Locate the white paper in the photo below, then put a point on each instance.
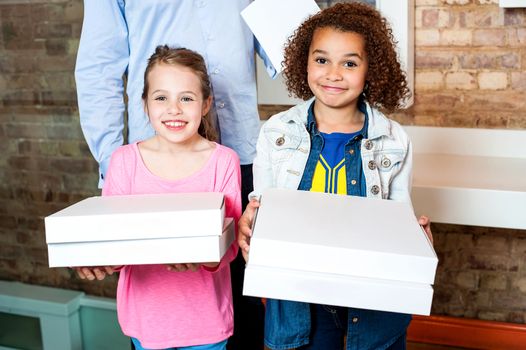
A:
(349, 235)
(273, 21)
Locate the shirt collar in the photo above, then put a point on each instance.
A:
(311, 120)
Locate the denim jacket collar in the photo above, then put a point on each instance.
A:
(377, 124)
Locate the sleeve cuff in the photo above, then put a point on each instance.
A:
(103, 170)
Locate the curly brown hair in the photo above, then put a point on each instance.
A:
(386, 84)
(185, 58)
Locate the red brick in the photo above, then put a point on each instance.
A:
(50, 64)
(496, 101)
(489, 37)
(456, 37)
(10, 251)
(492, 316)
(51, 12)
(64, 132)
(478, 60)
(58, 98)
(7, 222)
(518, 81)
(56, 47)
(17, 11)
(73, 12)
(510, 60)
(433, 59)
(511, 300)
(520, 37)
(430, 18)
(514, 17)
(493, 281)
(20, 98)
(517, 317)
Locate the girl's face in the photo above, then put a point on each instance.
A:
(337, 67)
(175, 103)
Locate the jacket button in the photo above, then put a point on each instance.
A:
(375, 189)
(372, 165)
(351, 152)
(280, 141)
(368, 144)
(354, 319)
(353, 182)
(386, 162)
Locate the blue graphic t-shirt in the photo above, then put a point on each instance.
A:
(330, 173)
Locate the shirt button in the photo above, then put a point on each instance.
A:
(280, 141)
(221, 104)
(216, 71)
(354, 319)
(372, 165)
(351, 152)
(368, 144)
(375, 189)
(353, 182)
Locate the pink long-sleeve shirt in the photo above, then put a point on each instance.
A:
(162, 308)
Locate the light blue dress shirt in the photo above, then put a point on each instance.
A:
(119, 36)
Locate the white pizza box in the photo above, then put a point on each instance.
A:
(112, 218)
(118, 229)
(343, 235)
(191, 249)
(339, 290)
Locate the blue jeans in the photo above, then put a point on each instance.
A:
(217, 346)
(329, 327)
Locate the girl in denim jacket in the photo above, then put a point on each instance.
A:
(342, 62)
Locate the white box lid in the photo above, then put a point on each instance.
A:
(286, 16)
(344, 235)
(138, 217)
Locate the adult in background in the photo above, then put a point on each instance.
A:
(117, 38)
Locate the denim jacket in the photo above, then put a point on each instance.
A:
(283, 150)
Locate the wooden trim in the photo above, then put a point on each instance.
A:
(467, 333)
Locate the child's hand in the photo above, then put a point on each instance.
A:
(245, 227)
(94, 272)
(426, 224)
(182, 267)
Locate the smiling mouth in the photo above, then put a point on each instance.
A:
(174, 123)
(333, 88)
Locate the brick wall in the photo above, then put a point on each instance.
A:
(470, 72)
(45, 163)
(470, 64)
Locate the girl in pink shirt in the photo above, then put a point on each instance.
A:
(177, 306)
